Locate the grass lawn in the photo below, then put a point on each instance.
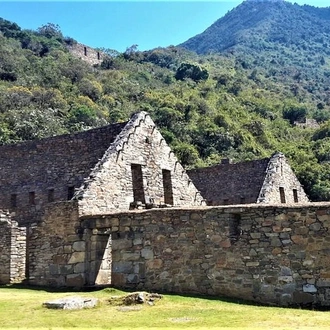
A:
(22, 308)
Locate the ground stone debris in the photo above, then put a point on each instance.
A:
(71, 303)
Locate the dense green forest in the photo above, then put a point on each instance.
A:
(240, 102)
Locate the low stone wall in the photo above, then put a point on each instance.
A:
(270, 254)
(12, 250)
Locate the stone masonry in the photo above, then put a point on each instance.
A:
(109, 186)
(269, 180)
(270, 254)
(275, 254)
(73, 216)
(12, 250)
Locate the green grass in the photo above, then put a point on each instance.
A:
(22, 308)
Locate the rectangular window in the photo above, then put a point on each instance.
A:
(295, 195)
(13, 200)
(50, 195)
(32, 197)
(70, 192)
(137, 183)
(167, 185)
(282, 195)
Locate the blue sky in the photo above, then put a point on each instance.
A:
(120, 24)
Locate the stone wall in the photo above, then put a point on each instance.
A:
(230, 184)
(134, 169)
(257, 181)
(36, 173)
(270, 254)
(281, 184)
(87, 54)
(12, 250)
(57, 248)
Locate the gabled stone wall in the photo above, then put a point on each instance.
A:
(12, 250)
(112, 184)
(281, 184)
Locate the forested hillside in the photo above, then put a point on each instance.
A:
(233, 104)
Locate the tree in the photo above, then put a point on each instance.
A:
(51, 30)
(294, 112)
(192, 71)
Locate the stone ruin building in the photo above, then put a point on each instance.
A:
(90, 55)
(109, 169)
(270, 180)
(113, 206)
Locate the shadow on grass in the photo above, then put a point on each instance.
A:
(24, 286)
(113, 289)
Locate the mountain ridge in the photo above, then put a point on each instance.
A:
(251, 16)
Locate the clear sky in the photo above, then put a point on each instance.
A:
(120, 24)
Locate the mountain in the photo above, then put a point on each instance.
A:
(286, 43)
(266, 24)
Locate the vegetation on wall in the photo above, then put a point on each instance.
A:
(240, 102)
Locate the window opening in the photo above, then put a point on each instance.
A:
(168, 188)
(32, 197)
(137, 182)
(50, 195)
(70, 192)
(282, 195)
(13, 200)
(85, 51)
(295, 195)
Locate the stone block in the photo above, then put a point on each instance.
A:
(299, 239)
(53, 269)
(130, 256)
(225, 244)
(79, 246)
(71, 303)
(79, 268)
(275, 242)
(315, 226)
(302, 298)
(286, 271)
(75, 280)
(121, 244)
(310, 288)
(323, 283)
(77, 257)
(154, 264)
(125, 267)
(65, 269)
(252, 264)
(147, 253)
